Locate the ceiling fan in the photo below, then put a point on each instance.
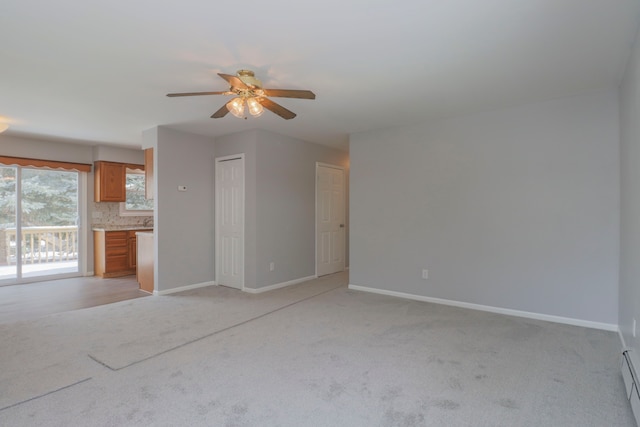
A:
(248, 90)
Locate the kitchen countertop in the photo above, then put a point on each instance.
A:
(120, 227)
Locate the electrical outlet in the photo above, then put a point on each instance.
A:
(272, 266)
(633, 330)
(425, 274)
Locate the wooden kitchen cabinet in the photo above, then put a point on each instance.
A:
(109, 179)
(133, 247)
(114, 252)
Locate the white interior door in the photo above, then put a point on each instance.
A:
(230, 221)
(330, 219)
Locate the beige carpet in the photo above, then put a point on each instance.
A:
(333, 357)
(48, 354)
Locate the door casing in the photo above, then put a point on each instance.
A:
(83, 231)
(219, 226)
(341, 264)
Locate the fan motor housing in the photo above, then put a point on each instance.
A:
(249, 78)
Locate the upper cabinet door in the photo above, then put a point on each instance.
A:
(148, 173)
(109, 180)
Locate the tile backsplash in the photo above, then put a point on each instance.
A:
(110, 215)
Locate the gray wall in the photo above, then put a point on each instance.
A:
(183, 220)
(515, 209)
(280, 203)
(630, 206)
(285, 203)
(66, 152)
(47, 150)
(118, 154)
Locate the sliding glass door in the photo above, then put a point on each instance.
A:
(8, 223)
(39, 223)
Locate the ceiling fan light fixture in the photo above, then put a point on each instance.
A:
(255, 108)
(248, 90)
(236, 107)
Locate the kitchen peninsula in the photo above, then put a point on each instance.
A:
(144, 271)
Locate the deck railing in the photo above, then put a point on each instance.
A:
(39, 244)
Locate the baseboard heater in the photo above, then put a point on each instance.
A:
(631, 383)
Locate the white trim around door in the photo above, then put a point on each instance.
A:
(330, 219)
(230, 221)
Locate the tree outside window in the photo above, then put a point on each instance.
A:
(136, 203)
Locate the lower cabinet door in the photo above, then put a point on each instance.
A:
(117, 262)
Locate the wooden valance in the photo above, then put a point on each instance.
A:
(38, 163)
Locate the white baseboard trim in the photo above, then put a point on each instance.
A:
(89, 273)
(279, 285)
(498, 310)
(184, 288)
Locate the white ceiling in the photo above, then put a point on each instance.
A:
(98, 71)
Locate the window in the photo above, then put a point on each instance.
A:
(136, 204)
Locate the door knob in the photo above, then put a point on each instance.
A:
(341, 225)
